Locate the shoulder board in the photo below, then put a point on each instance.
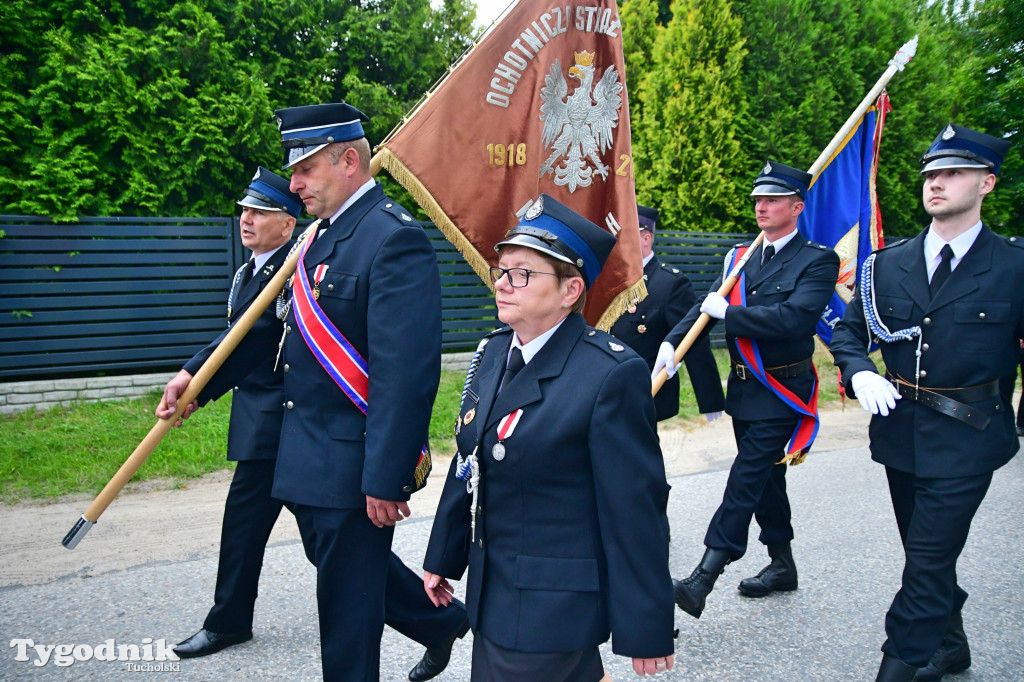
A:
(816, 245)
(399, 212)
(496, 332)
(671, 268)
(1015, 241)
(608, 343)
(892, 245)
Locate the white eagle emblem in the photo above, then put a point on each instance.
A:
(579, 127)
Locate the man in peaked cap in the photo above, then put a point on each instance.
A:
(269, 210)
(669, 297)
(947, 309)
(769, 328)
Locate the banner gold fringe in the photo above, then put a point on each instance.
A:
(621, 303)
(422, 196)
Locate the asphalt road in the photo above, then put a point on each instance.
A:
(847, 551)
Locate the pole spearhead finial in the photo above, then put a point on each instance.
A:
(904, 54)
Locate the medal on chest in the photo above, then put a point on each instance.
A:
(318, 276)
(506, 427)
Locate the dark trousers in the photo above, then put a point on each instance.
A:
(492, 663)
(934, 517)
(1020, 403)
(361, 585)
(249, 516)
(756, 487)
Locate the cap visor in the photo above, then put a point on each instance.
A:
(949, 162)
(535, 244)
(253, 202)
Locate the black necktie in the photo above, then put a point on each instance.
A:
(769, 251)
(250, 266)
(941, 273)
(515, 363)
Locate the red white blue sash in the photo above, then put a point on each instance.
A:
(807, 427)
(336, 355)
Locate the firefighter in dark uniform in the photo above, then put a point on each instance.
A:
(947, 310)
(769, 323)
(361, 356)
(269, 210)
(564, 533)
(669, 297)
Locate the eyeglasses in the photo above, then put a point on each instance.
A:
(517, 277)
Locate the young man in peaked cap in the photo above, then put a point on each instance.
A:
(669, 297)
(947, 310)
(769, 322)
(361, 356)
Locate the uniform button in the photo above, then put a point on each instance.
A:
(407, 489)
(924, 346)
(778, 288)
(236, 388)
(288, 329)
(981, 315)
(923, 374)
(330, 287)
(927, 320)
(754, 292)
(289, 404)
(287, 368)
(480, 542)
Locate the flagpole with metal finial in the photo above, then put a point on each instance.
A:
(897, 63)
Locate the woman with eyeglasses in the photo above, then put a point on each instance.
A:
(556, 499)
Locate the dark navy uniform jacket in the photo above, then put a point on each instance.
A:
(331, 455)
(784, 301)
(970, 336)
(256, 405)
(669, 297)
(572, 540)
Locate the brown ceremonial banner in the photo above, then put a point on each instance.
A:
(538, 105)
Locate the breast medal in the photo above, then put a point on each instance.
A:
(506, 426)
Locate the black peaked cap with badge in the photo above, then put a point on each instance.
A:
(557, 231)
(959, 147)
(308, 129)
(268, 191)
(648, 218)
(778, 179)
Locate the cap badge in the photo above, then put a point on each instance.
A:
(616, 347)
(535, 209)
(767, 168)
(948, 133)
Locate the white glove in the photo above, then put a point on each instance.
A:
(714, 305)
(712, 416)
(667, 359)
(876, 395)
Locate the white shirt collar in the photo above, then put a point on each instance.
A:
(353, 199)
(961, 244)
(533, 347)
(780, 242)
(648, 258)
(262, 259)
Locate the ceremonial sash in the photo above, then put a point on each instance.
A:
(807, 427)
(336, 355)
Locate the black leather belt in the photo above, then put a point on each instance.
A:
(939, 400)
(743, 372)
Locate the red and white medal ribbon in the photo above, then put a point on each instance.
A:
(318, 276)
(508, 424)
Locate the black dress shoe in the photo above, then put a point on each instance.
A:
(952, 656)
(435, 659)
(204, 642)
(778, 576)
(895, 670)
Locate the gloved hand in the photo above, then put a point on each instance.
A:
(714, 305)
(667, 359)
(876, 395)
(712, 416)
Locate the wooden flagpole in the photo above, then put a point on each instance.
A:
(897, 63)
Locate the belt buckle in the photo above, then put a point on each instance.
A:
(741, 371)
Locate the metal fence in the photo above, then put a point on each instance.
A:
(128, 295)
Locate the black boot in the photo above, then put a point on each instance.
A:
(895, 670)
(953, 654)
(435, 659)
(778, 576)
(691, 593)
